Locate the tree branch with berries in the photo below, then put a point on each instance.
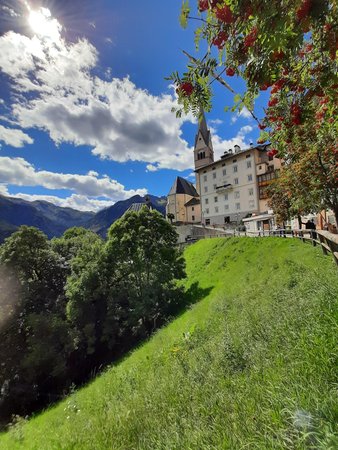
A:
(289, 49)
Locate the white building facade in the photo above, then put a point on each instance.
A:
(233, 187)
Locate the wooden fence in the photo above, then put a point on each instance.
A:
(327, 240)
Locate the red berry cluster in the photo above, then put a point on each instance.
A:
(250, 39)
(296, 114)
(230, 72)
(186, 88)
(273, 101)
(278, 85)
(261, 126)
(248, 11)
(271, 153)
(304, 9)
(278, 55)
(203, 5)
(265, 86)
(224, 14)
(220, 39)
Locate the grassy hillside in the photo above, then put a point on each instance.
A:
(252, 365)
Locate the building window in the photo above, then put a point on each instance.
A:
(248, 164)
(236, 181)
(206, 201)
(263, 194)
(205, 188)
(192, 209)
(216, 209)
(200, 155)
(215, 199)
(223, 164)
(213, 168)
(251, 203)
(234, 160)
(207, 221)
(236, 194)
(225, 196)
(248, 156)
(235, 169)
(205, 178)
(251, 191)
(238, 206)
(204, 171)
(224, 172)
(250, 177)
(214, 175)
(259, 167)
(207, 211)
(193, 218)
(215, 186)
(226, 207)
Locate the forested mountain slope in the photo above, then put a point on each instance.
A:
(54, 220)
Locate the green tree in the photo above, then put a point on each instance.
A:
(285, 47)
(171, 217)
(34, 336)
(130, 287)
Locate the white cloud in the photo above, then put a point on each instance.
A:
(151, 168)
(19, 172)
(14, 137)
(79, 202)
(3, 189)
(221, 145)
(215, 122)
(244, 113)
(9, 11)
(59, 94)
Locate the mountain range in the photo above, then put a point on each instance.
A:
(54, 220)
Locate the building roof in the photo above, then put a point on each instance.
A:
(192, 202)
(137, 207)
(203, 129)
(182, 186)
(257, 218)
(234, 155)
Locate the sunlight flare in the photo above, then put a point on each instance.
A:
(44, 25)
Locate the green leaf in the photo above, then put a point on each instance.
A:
(237, 98)
(185, 10)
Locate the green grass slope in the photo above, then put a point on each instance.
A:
(252, 365)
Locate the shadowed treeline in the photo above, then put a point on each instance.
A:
(73, 304)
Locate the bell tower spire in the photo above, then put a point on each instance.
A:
(203, 151)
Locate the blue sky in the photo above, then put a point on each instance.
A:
(85, 110)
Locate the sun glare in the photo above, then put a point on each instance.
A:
(43, 25)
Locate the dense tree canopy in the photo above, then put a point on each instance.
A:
(69, 305)
(288, 48)
(34, 337)
(129, 285)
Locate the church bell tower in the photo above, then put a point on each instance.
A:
(203, 151)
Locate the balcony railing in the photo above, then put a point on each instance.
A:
(224, 187)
